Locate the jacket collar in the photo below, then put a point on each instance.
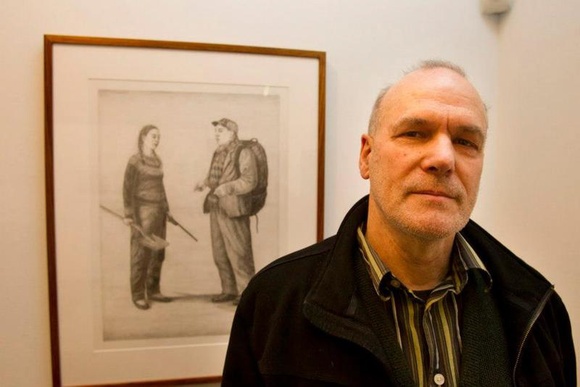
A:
(335, 286)
(510, 275)
(335, 306)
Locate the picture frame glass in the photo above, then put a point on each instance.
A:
(101, 94)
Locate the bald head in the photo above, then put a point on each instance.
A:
(428, 74)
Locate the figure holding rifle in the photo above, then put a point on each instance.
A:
(146, 206)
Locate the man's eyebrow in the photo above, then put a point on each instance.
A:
(473, 129)
(411, 122)
(418, 122)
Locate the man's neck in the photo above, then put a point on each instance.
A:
(419, 264)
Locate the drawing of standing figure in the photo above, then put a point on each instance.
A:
(232, 176)
(146, 207)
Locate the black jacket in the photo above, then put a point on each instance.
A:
(312, 319)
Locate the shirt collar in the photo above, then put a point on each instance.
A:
(463, 260)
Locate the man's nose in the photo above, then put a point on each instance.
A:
(439, 157)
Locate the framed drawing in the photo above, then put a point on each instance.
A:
(160, 156)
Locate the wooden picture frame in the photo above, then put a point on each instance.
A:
(99, 93)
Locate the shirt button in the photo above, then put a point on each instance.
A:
(439, 379)
(395, 283)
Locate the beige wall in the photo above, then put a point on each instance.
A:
(536, 205)
(529, 202)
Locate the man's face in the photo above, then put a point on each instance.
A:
(223, 135)
(424, 160)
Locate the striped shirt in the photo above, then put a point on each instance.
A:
(427, 323)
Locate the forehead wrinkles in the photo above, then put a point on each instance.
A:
(413, 97)
(427, 112)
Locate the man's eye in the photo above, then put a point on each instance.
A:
(413, 134)
(467, 143)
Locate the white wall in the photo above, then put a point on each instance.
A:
(536, 206)
(368, 43)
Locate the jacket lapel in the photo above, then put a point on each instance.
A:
(343, 303)
(519, 299)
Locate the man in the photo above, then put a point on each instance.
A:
(232, 174)
(409, 292)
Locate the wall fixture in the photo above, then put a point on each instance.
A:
(495, 6)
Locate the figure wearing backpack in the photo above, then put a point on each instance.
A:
(237, 181)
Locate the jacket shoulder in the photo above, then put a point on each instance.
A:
(315, 249)
(303, 260)
(289, 277)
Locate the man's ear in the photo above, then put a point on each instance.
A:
(366, 142)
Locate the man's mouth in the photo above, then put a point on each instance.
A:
(435, 193)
